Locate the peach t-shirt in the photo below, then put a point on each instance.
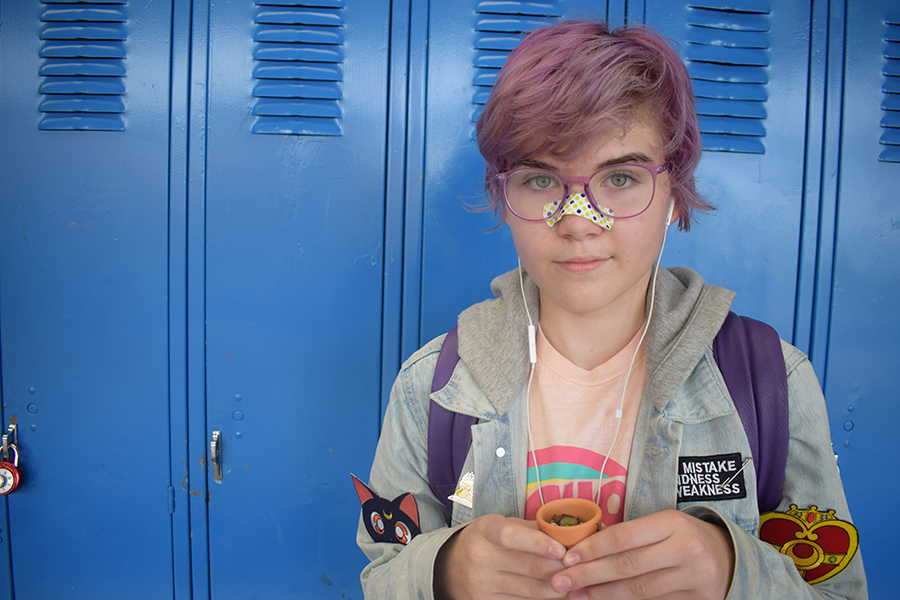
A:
(573, 425)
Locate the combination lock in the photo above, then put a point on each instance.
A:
(9, 472)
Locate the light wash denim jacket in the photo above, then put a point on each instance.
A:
(685, 411)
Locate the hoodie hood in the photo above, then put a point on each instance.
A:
(493, 335)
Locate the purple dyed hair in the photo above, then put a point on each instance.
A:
(570, 82)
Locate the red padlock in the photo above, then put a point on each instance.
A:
(9, 472)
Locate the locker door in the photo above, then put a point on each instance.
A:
(83, 292)
(748, 61)
(863, 356)
(294, 226)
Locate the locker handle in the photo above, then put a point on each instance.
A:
(215, 453)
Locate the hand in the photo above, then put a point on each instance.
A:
(664, 555)
(498, 557)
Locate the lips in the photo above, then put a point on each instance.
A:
(582, 264)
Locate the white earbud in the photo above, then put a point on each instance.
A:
(671, 210)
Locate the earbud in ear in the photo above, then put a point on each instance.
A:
(671, 210)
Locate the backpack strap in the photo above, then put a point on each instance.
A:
(449, 433)
(750, 358)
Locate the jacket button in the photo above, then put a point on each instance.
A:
(501, 452)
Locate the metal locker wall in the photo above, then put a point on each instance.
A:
(862, 350)
(84, 108)
(129, 320)
(293, 251)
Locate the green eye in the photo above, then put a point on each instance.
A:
(618, 180)
(543, 182)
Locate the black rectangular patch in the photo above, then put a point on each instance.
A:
(705, 477)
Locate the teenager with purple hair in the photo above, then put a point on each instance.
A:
(591, 372)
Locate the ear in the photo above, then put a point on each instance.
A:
(362, 490)
(409, 506)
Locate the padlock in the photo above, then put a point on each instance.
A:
(9, 472)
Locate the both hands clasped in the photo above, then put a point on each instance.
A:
(665, 555)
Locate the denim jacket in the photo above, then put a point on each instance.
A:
(685, 411)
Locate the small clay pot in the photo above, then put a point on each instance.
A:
(585, 510)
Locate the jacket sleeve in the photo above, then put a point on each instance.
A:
(811, 480)
(396, 571)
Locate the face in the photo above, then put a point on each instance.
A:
(581, 268)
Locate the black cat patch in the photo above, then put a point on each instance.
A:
(395, 521)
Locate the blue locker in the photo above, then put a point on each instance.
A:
(239, 217)
(83, 294)
(863, 327)
(293, 230)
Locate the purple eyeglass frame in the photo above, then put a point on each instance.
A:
(654, 170)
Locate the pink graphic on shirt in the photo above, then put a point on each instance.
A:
(568, 472)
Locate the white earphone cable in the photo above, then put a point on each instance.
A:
(532, 356)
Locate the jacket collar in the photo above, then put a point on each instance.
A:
(493, 336)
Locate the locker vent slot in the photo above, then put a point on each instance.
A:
(298, 60)
(728, 59)
(499, 27)
(82, 65)
(890, 105)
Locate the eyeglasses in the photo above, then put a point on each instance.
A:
(618, 191)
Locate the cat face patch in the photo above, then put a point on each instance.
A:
(820, 544)
(395, 521)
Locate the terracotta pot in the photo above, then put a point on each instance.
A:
(585, 510)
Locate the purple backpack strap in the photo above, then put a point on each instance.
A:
(749, 356)
(449, 433)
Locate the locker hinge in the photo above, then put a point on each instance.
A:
(170, 491)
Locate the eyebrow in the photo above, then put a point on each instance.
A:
(634, 157)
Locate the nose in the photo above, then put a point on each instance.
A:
(577, 226)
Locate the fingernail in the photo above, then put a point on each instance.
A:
(561, 584)
(571, 559)
(579, 595)
(557, 551)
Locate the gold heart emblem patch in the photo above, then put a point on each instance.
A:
(820, 544)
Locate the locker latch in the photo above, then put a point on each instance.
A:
(215, 455)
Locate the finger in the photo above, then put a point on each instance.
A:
(506, 585)
(660, 585)
(504, 545)
(640, 567)
(490, 570)
(523, 536)
(624, 536)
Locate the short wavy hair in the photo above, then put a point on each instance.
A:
(570, 82)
